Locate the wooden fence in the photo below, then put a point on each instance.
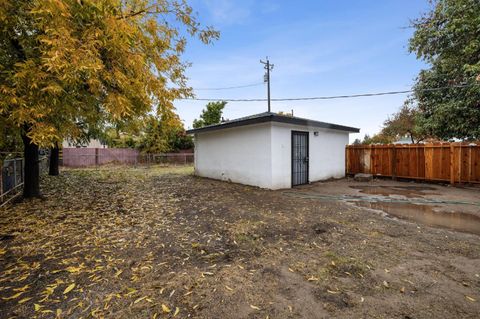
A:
(449, 162)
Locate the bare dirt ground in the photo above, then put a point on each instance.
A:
(161, 243)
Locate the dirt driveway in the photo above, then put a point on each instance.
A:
(161, 243)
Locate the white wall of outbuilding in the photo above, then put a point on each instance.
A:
(260, 154)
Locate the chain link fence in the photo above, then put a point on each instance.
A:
(12, 170)
(12, 176)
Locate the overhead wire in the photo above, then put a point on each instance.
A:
(228, 87)
(330, 97)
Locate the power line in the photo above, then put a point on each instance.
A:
(228, 87)
(331, 97)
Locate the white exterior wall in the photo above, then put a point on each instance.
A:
(326, 153)
(260, 155)
(240, 154)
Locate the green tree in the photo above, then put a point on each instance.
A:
(212, 114)
(403, 123)
(71, 61)
(379, 138)
(10, 140)
(447, 38)
(164, 134)
(357, 142)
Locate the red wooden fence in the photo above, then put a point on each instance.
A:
(450, 162)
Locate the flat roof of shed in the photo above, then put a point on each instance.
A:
(272, 117)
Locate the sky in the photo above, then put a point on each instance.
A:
(318, 48)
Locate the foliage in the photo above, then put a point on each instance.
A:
(447, 38)
(79, 61)
(403, 124)
(212, 114)
(379, 138)
(286, 113)
(357, 141)
(10, 140)
(399, 125)
(164, 134)
(125, 134)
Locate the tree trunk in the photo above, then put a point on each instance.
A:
(31, 183)
(411, 137)
(53, 165)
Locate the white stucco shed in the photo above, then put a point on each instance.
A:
(271, 151)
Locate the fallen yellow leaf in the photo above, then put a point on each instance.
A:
(139, 299)
(165, 309)
(177, 310)
(69, 288)
(24, 288)
(470, 298)
(73, 270)
(14, 296)
(24, 300)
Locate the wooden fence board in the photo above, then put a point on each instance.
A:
(450, 162)
(476, 165)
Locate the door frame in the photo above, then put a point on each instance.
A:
(307, 134)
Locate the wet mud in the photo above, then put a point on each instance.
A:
(428, 215)
(407, 191)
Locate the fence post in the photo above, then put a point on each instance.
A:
(469, 163)
(14, 173)
(22, 169)
(452, 165)
(394, 162)
(371, 158)
(460, 163)
(96, 157)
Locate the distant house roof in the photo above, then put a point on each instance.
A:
(272, 117)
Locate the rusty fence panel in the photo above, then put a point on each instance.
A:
(12, 176)
(94, 157)
(449, 162)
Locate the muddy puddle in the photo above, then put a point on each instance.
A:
(426, 214)
(407, 191)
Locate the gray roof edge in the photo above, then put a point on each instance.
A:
(272, 117)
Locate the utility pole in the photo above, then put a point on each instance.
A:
(266, 78)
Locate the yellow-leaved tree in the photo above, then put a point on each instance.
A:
(71, 65)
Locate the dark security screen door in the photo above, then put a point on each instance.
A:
(299, 158)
